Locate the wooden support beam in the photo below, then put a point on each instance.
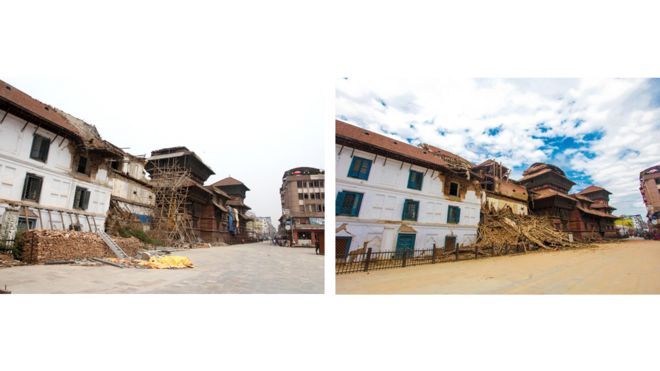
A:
(89, 225)
(61, 141)
(50, 219)
(352, 152)
(62, 218)
(384, 162)
(96, 229)
(401, 165)
(54, 138)
(3, 117)
(27, 219)
(340, 149)
(24, 126)
(41, 223)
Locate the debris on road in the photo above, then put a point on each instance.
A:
(502, 230)
(155, 262)
(7, 260)
(51, 245)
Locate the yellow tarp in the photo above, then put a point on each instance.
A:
(169, 261)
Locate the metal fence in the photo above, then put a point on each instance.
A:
(365, 260)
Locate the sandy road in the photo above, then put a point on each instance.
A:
(628, 267)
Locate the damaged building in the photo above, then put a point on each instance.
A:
(54, 169)
(499, 191)
(393, 196)
(177, 177)
(238, 218)
(549, 189)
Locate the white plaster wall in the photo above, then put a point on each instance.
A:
(58, 188)
(132, 191)
(382, 205)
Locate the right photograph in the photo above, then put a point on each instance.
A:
(497, 186)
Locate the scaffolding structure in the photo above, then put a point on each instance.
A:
(172, 222)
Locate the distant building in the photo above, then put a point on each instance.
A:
(499, 191)
(302, 195)
(53, 168)
(649, 186)
(264, 227)
(573, 213)
(393, 196)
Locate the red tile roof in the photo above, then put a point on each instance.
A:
(229, 181)
(597, 213)
(353, 133)
(39, 109)
(592, 189)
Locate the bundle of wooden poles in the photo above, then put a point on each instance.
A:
(502, 230)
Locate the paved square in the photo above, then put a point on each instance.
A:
(258, 268)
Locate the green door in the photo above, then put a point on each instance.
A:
(405, 242)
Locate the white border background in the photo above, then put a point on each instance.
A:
(343, 38)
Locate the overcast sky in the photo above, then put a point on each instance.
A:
(150, 77)
(601, 132)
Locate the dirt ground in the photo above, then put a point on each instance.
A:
(258, 268)
(627, 267)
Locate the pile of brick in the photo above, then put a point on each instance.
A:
(51, 245)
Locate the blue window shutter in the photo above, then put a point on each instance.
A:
(352, 171)
(416, 210)
(458, 215)
(356, 205)
(340, 202)
(450, 214)
(405, 207)
(366, 174)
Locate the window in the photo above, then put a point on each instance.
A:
(318, 195)
(32, 187)
(321, 183)
(359, 168)
(306, 196)
(415, 180)
(22, 225)
(299, 184)
(657, 180)
(453, 189)
(348, 203)
(40, 147)
(300, 196)
(82, 165)
(302, 208)
(81, 199)
(410, 210)
(453, 215)
(311, 195)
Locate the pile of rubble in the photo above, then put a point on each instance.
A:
(503, 230)
(52, 245)
(7, 260)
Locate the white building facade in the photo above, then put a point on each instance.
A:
(393, 204)
(47, 179)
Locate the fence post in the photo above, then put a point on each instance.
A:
(492, 250)
(366, 262)
(456, 247)
(434, 253)
(476, 253)
(405, 256)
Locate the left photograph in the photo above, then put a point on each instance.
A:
(165, 194)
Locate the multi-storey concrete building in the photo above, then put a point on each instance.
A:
(393, 196)
(53, 168)
(303, 205)
(649, 186)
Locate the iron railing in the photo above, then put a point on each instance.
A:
(365, 260)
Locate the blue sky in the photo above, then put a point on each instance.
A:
(599, 131)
